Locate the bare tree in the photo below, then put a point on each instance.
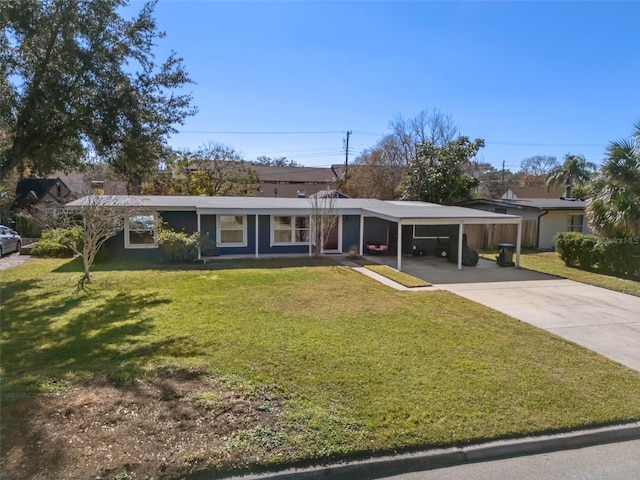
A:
(323, 218)
(380, 169)
(98, 217)
(435, 127)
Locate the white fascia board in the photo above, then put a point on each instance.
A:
(458, 221)
(253, 211)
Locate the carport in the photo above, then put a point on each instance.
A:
(420, 213)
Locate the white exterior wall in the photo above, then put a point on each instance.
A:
(557, 221)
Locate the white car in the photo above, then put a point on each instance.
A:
(10, 241)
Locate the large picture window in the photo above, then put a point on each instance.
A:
(290, 229)
(141, 231)
(232, 230)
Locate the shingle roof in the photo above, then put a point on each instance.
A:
(534, 203)
(538, 192)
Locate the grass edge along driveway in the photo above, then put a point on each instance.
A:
(550, 263)
(355, 367)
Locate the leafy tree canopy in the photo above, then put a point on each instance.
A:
(275, 162)
(437, 174)
(214, 170)
(78, 81)
(574, 170)
(614, 204)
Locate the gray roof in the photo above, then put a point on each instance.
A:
(534, 203)
(412, 212)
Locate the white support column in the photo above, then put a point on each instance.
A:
(518, 242)
(199, 251)
(257, 236)
(360, 247)
(312, 234)
(460, 234)
(399, 266)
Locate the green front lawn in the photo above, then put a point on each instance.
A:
(549, 262)
(357, 366)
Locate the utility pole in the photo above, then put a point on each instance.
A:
(502, 176)
(346, 156)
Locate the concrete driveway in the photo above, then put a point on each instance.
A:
(601, 320)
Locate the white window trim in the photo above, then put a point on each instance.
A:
(571, 227)
(129, 245)
(219, 230)
(292, 231)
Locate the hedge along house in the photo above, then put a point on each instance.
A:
(255, 226)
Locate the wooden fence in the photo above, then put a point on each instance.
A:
(487, 237)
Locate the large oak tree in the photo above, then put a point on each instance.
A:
(78, 81)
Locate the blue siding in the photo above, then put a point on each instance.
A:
(114, 248)
(208, 226)
(376, 230)
(264, 222)
(186, 222)
(251, 240)
(350, 231)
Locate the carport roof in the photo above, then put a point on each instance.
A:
(397, 211)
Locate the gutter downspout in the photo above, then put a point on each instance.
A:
(538, 228)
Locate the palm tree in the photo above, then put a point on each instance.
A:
(614, 207)
(574, 169)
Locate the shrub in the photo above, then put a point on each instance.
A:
(622, 258)
(577, 248)
(587, 251)
(55, 242)
(567, 244)
(179, 246)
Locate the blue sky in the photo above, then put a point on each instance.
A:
(531, 78)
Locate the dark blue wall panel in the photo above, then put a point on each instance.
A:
(350, 231)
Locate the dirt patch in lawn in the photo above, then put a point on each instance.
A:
(169, 426)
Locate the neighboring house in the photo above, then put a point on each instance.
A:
(60, 188)
(547, 216)
(513, 193)
(293, 182)
(84, 183)
(264, 226)
(48, 194)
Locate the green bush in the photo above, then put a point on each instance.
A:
(55, 242)
(179, 246)
(619, 257)
(567, 244)
(587, 251)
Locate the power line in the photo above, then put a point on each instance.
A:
(317, 132)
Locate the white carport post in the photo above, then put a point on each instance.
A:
(460, 233)
(257, 235)
(399, 248)
(360, 247)
(312, 233)
(199, 251)
(518, 242)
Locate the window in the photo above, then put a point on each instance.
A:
(141, 231)
(290, 229)
(576, 223)
(500, 210)
(232, 230)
